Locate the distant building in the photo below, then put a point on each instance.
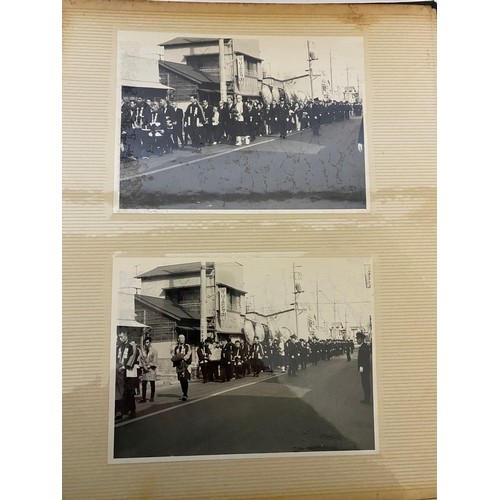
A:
(351, 94)
(140, 76)
(338, 331)
(191, 65)
(197, 299)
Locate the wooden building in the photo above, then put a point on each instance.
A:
(187, 59)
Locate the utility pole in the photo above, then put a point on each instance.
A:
(203, 302)
(296, 291)
(310, 58)
(233, 64)
(222, 70)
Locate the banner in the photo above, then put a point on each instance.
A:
(240, 69)
(368, 276)
(222, 302)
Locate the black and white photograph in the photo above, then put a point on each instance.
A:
(241, 357)
(235, 124)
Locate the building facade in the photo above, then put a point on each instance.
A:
(193, 65)
(198, 299)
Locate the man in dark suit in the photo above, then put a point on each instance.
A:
(193, 121)
(283, 115)
(316, 113)
(127, 356)
(365, 366)
(177, 135)
(207, 129)
(203, 352)
(226, 360)
(292, 353)
(256, 356)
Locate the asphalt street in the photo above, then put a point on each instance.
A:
(299, 172)
(318, 410)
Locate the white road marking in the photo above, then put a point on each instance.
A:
(187, 403)
(237, 148)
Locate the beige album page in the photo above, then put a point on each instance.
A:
(249, 251)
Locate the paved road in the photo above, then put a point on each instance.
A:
(319, 410)
(302, 171)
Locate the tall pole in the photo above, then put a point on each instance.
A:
(309, 60)
(222, 70)
(295, 302)
(233, 64)
(203, 302)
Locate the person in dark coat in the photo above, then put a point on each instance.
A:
(203, 352)
(181, 359)
(256, 356)
(193, 121)
(252, 120)
(238, 359)
(283, 117)
(365, 366)
(177, 134)
(207, 129)
(292, 353)
(127, 357)
(226, 361)
(316, 116)
(222, 132)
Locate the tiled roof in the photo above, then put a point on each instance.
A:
(189, 72)
(187, 41)
(166, 306)
(189, 268)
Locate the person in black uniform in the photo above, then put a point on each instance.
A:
(226, 361)
(127, 356)
(252, 120)
(177, 134)
(365, 366)
(316, 117)
(256, 356)
(239, 368)
(207, 129)
(203, 352)
(193, 121)
(292, 353)
(283, 116)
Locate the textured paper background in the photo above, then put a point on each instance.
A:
(399, 232)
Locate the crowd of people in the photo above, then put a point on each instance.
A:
(224, 361)
(159, 126)
(227, 360)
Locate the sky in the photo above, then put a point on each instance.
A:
(269, 284)
(283, 56)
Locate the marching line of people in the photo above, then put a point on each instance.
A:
(225, 361)
(158, 127)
